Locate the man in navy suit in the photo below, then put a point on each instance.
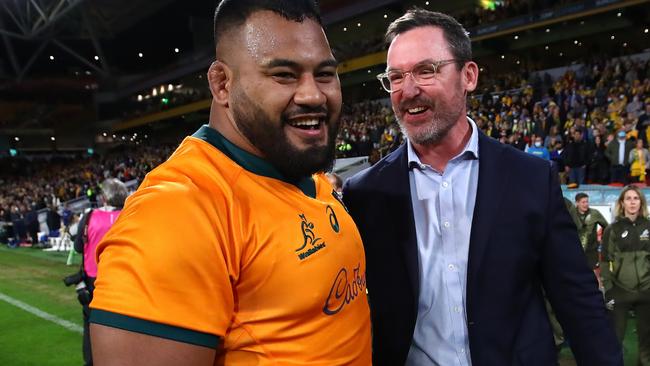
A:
(463, 235)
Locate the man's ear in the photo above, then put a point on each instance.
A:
(470, 76)
(219, 80)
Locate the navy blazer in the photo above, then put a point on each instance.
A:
(522, 241)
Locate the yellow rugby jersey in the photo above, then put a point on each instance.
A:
(215, 249)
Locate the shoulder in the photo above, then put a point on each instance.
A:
(377, 172)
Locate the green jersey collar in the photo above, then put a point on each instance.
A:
(250, 162)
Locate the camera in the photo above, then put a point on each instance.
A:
(73, 279)
(83, 294)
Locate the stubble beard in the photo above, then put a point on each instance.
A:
(443, 120)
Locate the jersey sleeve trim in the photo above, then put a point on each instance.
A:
(151, 328)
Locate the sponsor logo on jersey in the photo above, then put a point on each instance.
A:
(334, 222)
(311, 244)
(624, 235)
(345, 289)
(645, 235)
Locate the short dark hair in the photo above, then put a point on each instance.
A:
(233, 13)
(455, 34)
(581, 195)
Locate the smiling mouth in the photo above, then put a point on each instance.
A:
(417, 110)
(311, 123)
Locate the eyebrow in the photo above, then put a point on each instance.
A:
(423, 62)
(280, 62)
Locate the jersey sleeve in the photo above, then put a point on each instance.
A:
(167, 266)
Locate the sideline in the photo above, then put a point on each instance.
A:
(41, 314)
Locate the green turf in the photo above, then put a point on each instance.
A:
(34, 277)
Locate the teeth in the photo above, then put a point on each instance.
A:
(416, 110)
(306, 123)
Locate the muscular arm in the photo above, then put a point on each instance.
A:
(113, 347)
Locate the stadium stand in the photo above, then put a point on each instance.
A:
(97, 99)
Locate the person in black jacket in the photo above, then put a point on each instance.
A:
(625, 269)
(577, 154)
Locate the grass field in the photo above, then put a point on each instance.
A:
(34, 277)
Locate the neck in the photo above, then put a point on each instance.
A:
(583, 212)
(437, 155)
(632, 216)
(223, 122)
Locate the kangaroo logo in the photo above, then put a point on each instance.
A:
(309, 238)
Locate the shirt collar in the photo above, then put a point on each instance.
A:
(469, 152)
(250, 162)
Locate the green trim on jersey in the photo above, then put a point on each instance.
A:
(154, 329)
(250, 162)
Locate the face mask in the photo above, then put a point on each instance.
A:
(538, 144)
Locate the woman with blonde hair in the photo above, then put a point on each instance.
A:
(625, 267)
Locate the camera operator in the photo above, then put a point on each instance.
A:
(94, 224)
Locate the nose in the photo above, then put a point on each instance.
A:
(409, 87)
(308, 92)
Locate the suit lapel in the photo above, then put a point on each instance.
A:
(400, 208)
(491, 185)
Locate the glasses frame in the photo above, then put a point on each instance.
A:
(436, 65)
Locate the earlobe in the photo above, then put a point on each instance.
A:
(219, 82)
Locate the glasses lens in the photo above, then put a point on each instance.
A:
(385, 83)
(424, 73)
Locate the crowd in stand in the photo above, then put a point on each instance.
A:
(592, 122)
(28, 187)
(581, 119)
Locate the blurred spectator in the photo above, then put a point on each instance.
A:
(618, 151)
(576, 157)
(598, 163)
(639, 160)
(538, 149)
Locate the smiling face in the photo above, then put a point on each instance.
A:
(285, 98)
(583, 205)
(427, 113)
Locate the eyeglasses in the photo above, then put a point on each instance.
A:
(422, 74)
